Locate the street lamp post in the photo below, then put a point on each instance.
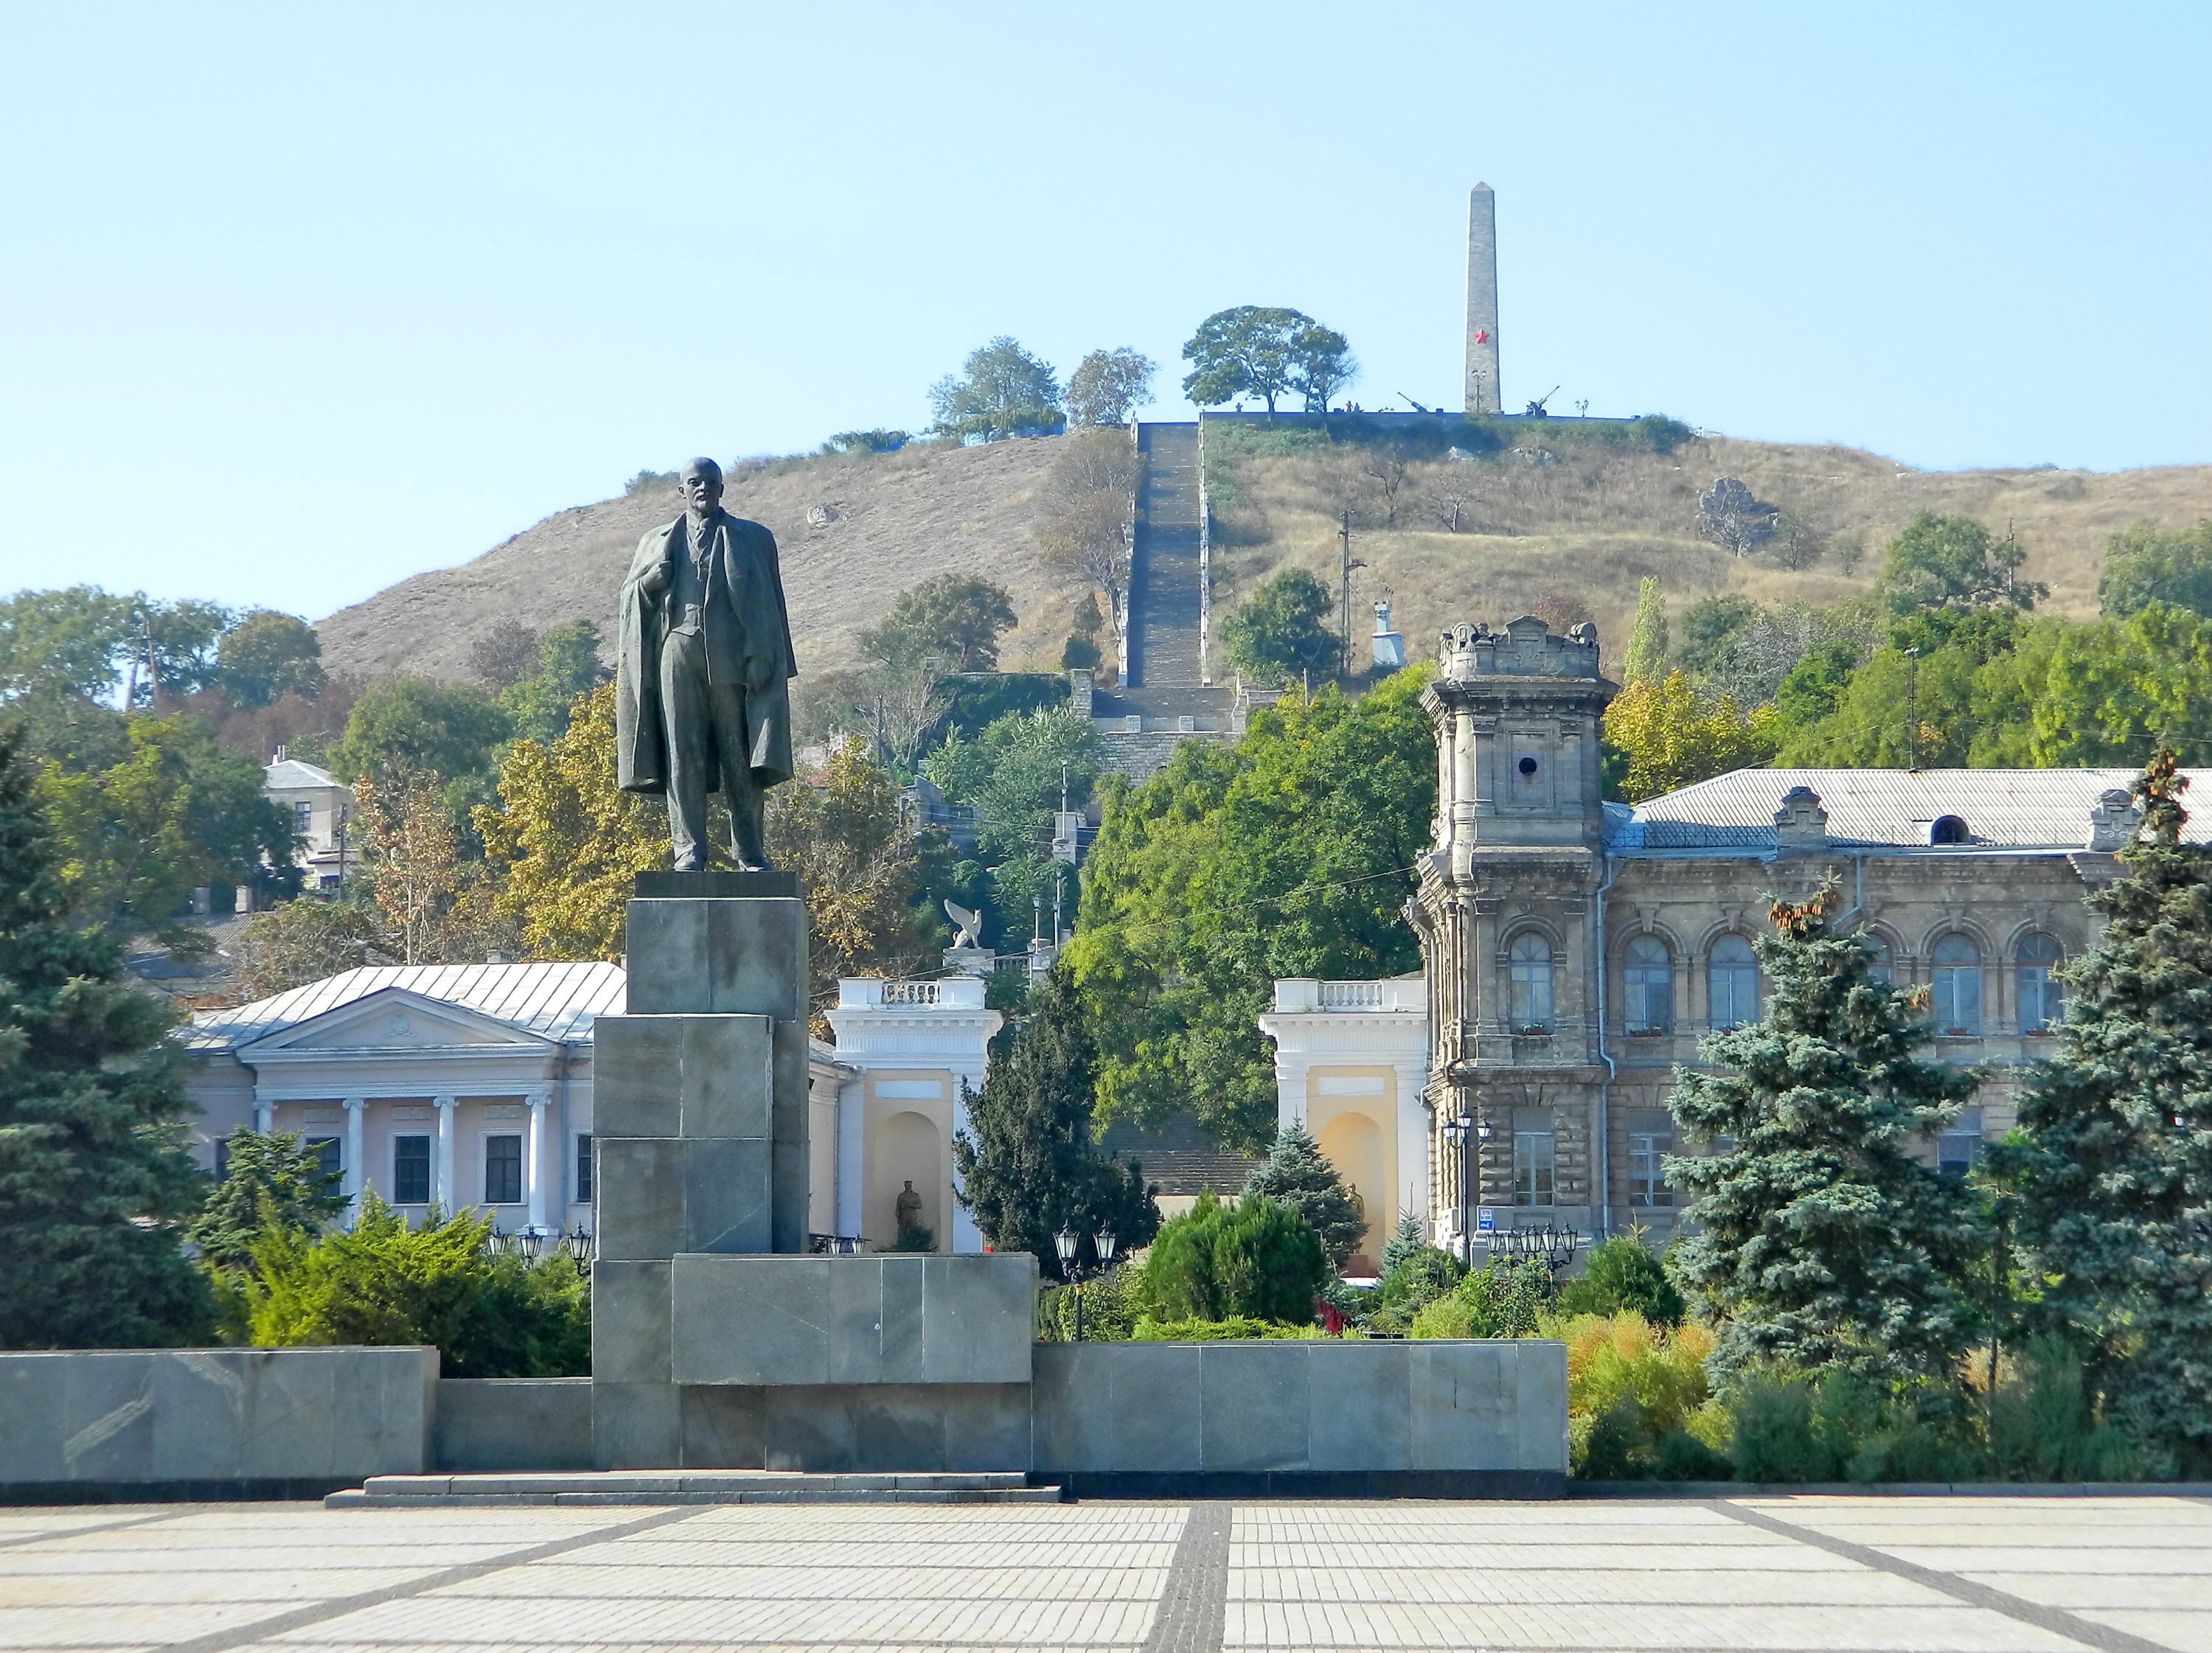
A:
(1067, 1242)
(1460, 1133)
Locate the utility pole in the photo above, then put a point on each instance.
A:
(1912, 709)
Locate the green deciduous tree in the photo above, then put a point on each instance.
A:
(450, 729)
(1028, 1165)
(2143, 566)
(1107, 386)
(2114, 1159)
(267, 654)
(955, 617)
(1942, 561)
(1321, 364)
(1259, 1261)
(1001, 391)
(567, 663)
(1291, 855)
(174, 811)
(1647, 638)
(69, 639)
(296, 942)
(1281, 630)
(1296, 1173)
(269, 1181)
(1672, 736)
(95, 1186)
(1819, 1236)
(1265, 352)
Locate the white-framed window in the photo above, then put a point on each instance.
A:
(410, 1169)
(303, 817)
(1732, 983)
(1960, 1146)
(1955, 988)
(1535, 1157)
(1529, 980)
(1647, 987)
(502, 1169)
(329, 1152)
(2042, 994)
(1651, 1139)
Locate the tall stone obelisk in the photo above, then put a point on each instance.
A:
(1482, 301)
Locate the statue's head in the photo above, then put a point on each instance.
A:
(701, 483)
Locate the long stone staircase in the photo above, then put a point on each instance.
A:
(1166, 686)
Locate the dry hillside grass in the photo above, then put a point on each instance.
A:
(900, 517)
(1573, 539)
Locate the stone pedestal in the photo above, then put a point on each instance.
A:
(699, 1143)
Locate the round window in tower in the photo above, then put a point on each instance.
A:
(1528, 766)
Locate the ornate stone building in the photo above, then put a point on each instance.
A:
(1575, 950)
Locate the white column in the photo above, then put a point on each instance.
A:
(265, 1115)
(533, 1161)
(355, 1182)
(851, 1109)
(442, 1185)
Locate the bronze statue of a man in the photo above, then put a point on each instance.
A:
(702, 667)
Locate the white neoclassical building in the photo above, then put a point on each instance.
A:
(469, 1086)
(1350, 1060)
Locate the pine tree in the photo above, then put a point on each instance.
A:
(94, 1182)
(268, 1179)
(1296, 1172)
(1818, 1234)
(1409, 1240)
(2114, 1160)
(1027, 1164)
(1647, 638)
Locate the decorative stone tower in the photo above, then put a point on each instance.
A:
(1508, 916)
(1482, 301)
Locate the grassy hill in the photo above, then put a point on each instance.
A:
(1569, 539)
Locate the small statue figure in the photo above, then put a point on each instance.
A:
(702, 668)
(910, 1209)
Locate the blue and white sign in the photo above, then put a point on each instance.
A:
(1485, 1220)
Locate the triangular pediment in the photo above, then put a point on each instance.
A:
(394, 1020)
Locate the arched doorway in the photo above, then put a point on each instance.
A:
(906, 1149)
(1354, 1145)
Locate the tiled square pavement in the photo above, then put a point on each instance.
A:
(1979, 1575)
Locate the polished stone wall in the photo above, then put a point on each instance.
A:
(217, 1422)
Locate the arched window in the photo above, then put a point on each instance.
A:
(1732, 983)
(2042, 996)
(1949, 830)
(1957, 988)
(1528, 974)
(1647, 987)
(1880, 967)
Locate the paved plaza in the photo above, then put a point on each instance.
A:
(1923, 1574)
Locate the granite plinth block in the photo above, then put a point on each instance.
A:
(1230, 1414)
(631, 1341)
(700, 1076)
(662, 1195)
(718, 956)
(693, 886)
(881, 1428)
(762, 1321)
(635, 1425)
(168, 1417)
(515, 1423)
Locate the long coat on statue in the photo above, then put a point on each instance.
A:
(746, 619)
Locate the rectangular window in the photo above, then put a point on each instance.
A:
(1535, 1157)
(1651, 1139)
(328, 1152)
(303, 817)
(1958, 1148)
(502, 1178)
(583, 1170)
(411, 1170)
(221, 1158)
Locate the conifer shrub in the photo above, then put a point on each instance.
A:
(1111, 1305)
(1622, 1277)
(1259, 1261)
(1239, 1328)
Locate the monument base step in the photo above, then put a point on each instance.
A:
(611, 1487)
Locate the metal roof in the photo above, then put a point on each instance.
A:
(2003, 809)
(555, 1001)
(287, 773)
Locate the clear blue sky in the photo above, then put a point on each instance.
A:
(300, 299)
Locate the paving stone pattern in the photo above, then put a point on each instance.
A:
(1978, 1574)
